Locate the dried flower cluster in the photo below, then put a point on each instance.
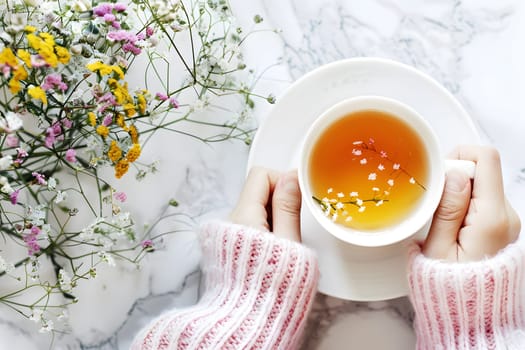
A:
(68, 110)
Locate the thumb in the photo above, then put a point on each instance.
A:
(286, 207)
(449, 216)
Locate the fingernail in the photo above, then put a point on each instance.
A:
(288, 182)
(456, 181)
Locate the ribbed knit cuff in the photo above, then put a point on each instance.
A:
(476, 305)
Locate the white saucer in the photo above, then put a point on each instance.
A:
(347, 271)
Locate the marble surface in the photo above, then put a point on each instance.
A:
(475, 48)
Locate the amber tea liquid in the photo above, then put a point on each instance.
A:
(368, 170)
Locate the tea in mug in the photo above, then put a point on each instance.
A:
(368, 170)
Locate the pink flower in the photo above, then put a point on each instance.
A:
(174, 103)
(130, 47)
(31, 242)
(108, 119)
(13, 197)
(120, 196)
(149, 31)
(115, 25)
(67, 123)
(54, 80)
(11, 140)
(120, 7)
(109, 17)
(40, 178)
(161, 96)
(147, 244)
(122, 35)
(71, 155)
(103, 9)
(50, 137)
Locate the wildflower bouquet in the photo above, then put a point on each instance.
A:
(70, 108)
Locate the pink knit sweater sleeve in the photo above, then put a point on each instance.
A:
(478, 305)
(258, 292)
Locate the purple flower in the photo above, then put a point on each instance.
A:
(103, 9)
(149, 31)
(13, 197)
(54, 80)
(130, 47)
(31, 242)
(109, 17)
(40, 178)
(67, 123)
(122, 35)
(108, 119)
(50, 137)
(71, 155)
(120, 7)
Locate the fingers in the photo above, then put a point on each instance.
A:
(286, 207)
(268, 201)
(488, 180)
(251, 208)
(449, 216)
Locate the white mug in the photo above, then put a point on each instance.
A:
(422, 214)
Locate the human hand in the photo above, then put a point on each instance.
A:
(270, 201)
(473, 220)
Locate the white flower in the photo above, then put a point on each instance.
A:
(363, 161)
(81, 5)
(65, 281)
(5, 162)
(5, 266)
(339, 205)
(47, 326)
(390, 182)
(412, 180)
(372, 176)
(32, 3)
(7, 189)
(396, 166)
(106, 258)
(381, 167)
(60, 197)
(36, 316)
(354, 194)
(51, 183)
(12, 122)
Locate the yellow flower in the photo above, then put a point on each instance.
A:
(8, 57)
(120, 122)
(30, 29)
(141, 103)
(37, 93)
(92, 118)
(101, 68)
(25, 56)
(120, 92)
(133, 153)
(14, 86)
(134, 134)
(121, 168)
(44, 45)
(118, 71)
(114, 152)
(102, 130)
(63, 54)
(130, 110)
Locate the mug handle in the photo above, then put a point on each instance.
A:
(467, 166)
